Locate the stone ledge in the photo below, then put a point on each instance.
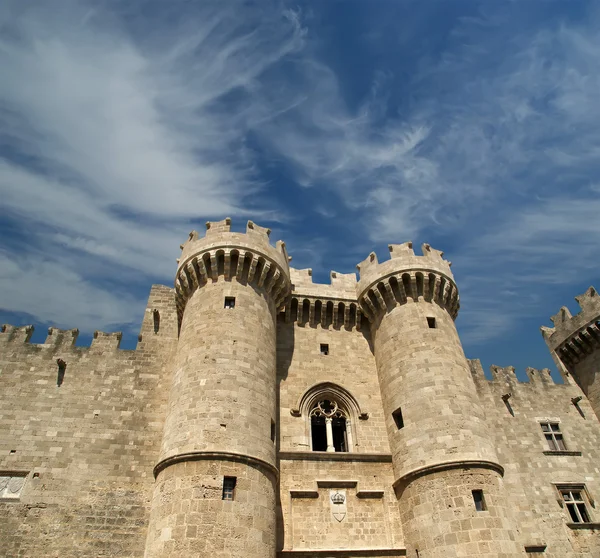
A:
(535, 547)
(562, 452)
(370, 494)
(592, 526)
(216, 456)
(334, 483)
(447, 465)
(334, 456)
(304, 493)
(345, 553)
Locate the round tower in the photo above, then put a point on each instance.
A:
(448, 478)
(216, 478)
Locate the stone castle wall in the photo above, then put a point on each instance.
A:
(87, 446)
(195, 401)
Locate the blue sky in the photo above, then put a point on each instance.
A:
(343, 126)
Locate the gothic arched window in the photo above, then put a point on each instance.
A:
(328, 424)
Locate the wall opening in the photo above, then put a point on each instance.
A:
(273, 431)
(431, 323)
(319, 433)
(398, 419)
(229, 302)
(340, 440)
(324, 349)
(229, 488)
(479, 500)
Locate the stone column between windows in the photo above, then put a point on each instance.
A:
(349, 436)
(329, 432)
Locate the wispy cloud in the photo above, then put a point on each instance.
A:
(123, 124)
(494, 159)
(118, 129)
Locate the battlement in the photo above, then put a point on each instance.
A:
(341, 286)
(249, 257)
(406, 276)
(402, 258)
(61, 337)
(18, 334)
(574, 337)
(506, 375)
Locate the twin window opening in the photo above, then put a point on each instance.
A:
(328, 425)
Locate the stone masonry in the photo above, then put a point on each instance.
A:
(262, 415)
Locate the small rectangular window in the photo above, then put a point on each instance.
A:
(229, 488)
(431, 322)
(479, 500)
(575, 503)
(397, 414)
(553, 436)
(324, 349)
(229, 302)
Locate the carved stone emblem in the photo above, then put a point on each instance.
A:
(337, 500)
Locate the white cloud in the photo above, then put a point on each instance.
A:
(115, 133)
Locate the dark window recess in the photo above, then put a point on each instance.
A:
(324, 349)
(229, 302)
(397, 414)
(229, 488)
(575, 505)
(319, 433)
(553, 436)
(272, 431)
(479, 500)
(340, 440)
(431, 322)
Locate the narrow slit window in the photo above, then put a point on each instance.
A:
(273, 431)
(229, 488)
(553, 436)
(324, 349)
(397, 414)
(229, 302)
(479, 500)
(431, 323)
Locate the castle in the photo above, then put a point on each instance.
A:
(263, 415)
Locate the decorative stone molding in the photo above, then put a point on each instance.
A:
(462, 464)
(216, 455)
(334, 456)
(249, 258)
(406, 277)
(334, 312)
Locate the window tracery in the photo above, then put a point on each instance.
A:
(329, 427)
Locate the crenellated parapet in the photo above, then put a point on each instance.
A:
(506, 375)
(10, 333)
(222, 254)
(573, 338)
(63, 339)
(406, 276)
(332, 304)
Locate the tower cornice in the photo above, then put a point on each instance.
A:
(403, 277)
(222, 254)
